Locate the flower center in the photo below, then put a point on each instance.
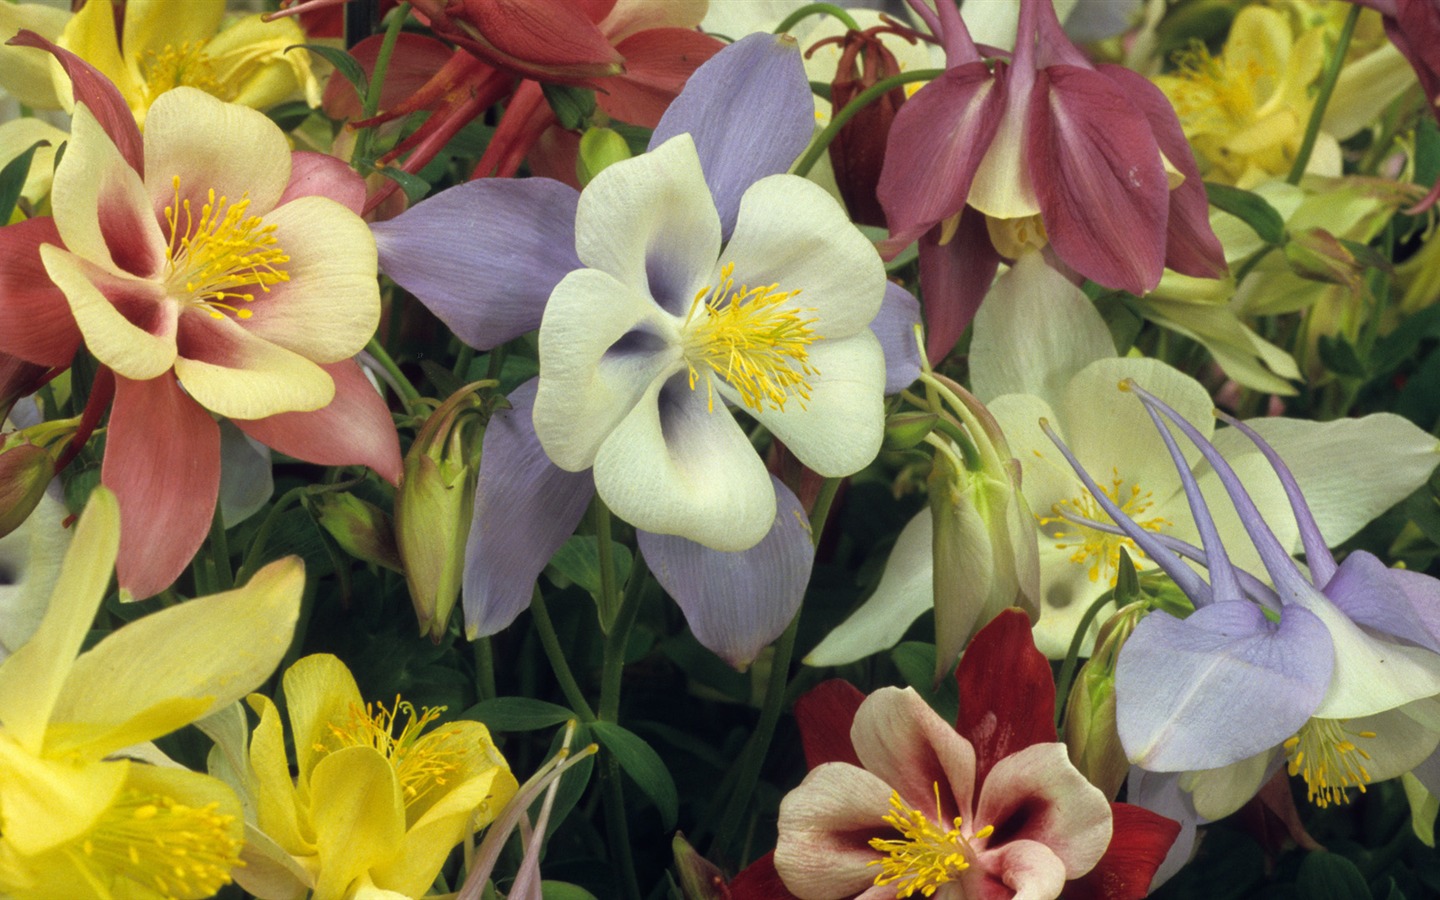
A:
(185, 65)
(1098, 550)
(1323, 753)
(925, 855)
(753, 338)
(222, 251)
(419, 766)
(178, 850)
(1012, 237)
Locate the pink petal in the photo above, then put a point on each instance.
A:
(99, 95)
(909, 747)
(1007, 694)
(936, 144)
(1020, 868)
(162, 460)
(1138, 845)
(825, 714)
(823, 848)
(1191, 247)
(1096, 167)
(319, 175)
(354, 430)
(1037, 795)
(39, 327)
(955, 277)
(657, 64)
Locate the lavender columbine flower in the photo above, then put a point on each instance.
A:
(1336, 674)
(694, 276)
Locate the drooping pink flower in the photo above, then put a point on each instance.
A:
(899, 802)
(210, 271)
(1047, 151)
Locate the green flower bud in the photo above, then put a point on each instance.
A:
(362, 529)
(599, 149)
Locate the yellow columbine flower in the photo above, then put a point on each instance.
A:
(74, 823)
(168, 45)
(377, 806)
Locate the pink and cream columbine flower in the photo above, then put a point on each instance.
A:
(900, 803)
(210, 271)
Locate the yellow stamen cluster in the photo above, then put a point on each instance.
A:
(420, 766)
(178, 851)
(224, 250)
(753, 338)
(926, 855)
(185, 65)
(1099, 550)
(1323, 753)
(1211, 94)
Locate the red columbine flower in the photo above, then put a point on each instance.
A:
(899, 803)
(992, 159)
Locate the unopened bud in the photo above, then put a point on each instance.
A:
(1318, 255)
(700, 879)
(599, 149)
(907, 429)
(25, 471)
(362, 529)
(1091, 735)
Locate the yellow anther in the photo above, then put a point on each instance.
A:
(1099, 551)
(1323, 753)
(755, 339)
(183, 65)
(178, 850)
(224, 250)
(419, 764)
(927, 854)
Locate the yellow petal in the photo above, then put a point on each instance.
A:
(319, 690)
(151, 27)
(20, 135)
(25, 71)
(251, 378)
(171, 667)
(45, 802)
(32, 679)
(275, 809)
(358, 816)
(90, 35)
(253, 63)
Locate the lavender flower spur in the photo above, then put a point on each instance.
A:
(1335, 674)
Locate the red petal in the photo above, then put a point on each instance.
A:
(1138, 845)
(39, 327)
(955, 277)
(524, 120)
(1103, 194)
(319, 175)
(354, 430)
(1191, 247)
(162, 460)
(936, 143)
(658, 62)
(825, 715)
(1007, 693)
(99, 94)
(759, 881)
(552, 40)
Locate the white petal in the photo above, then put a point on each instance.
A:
(651, 223)
(1371, 675)
(674, 466)
(791, 233)
(602, 345)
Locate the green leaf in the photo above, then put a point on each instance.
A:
(916, 662)
(414, 186)
(563, 890)
(1340, 357)
(1330, 876)
(343, 62)
(572, 105)
(12, 180)
(289, 115)
(1250, 208)
(644, 765)
(1427, 152)
(518, 714)
(1127, 584)
(578, 561)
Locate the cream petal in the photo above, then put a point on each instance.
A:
(233, 373)
(19, 135)
(128, 324)
(330, 306)
(906, 744)
(674, 466)
(1217, 793)
(1371, 675)
(791, 233)
(603, 344)
(836, 432)
(210, 145)
(823, 849)
(1037, 795)
(1002, 187)
(651, 223)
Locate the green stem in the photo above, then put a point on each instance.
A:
(550, 641)
(616, 828)
(262, 534)
(484, 669)
(224, 577)
(462, 362)
(1072, 656)
(616, 642)
(604, 551)
(862, 100)
(408, 395)
(1322, 97)
(816, 9)
(758, 747)
(371, 100)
